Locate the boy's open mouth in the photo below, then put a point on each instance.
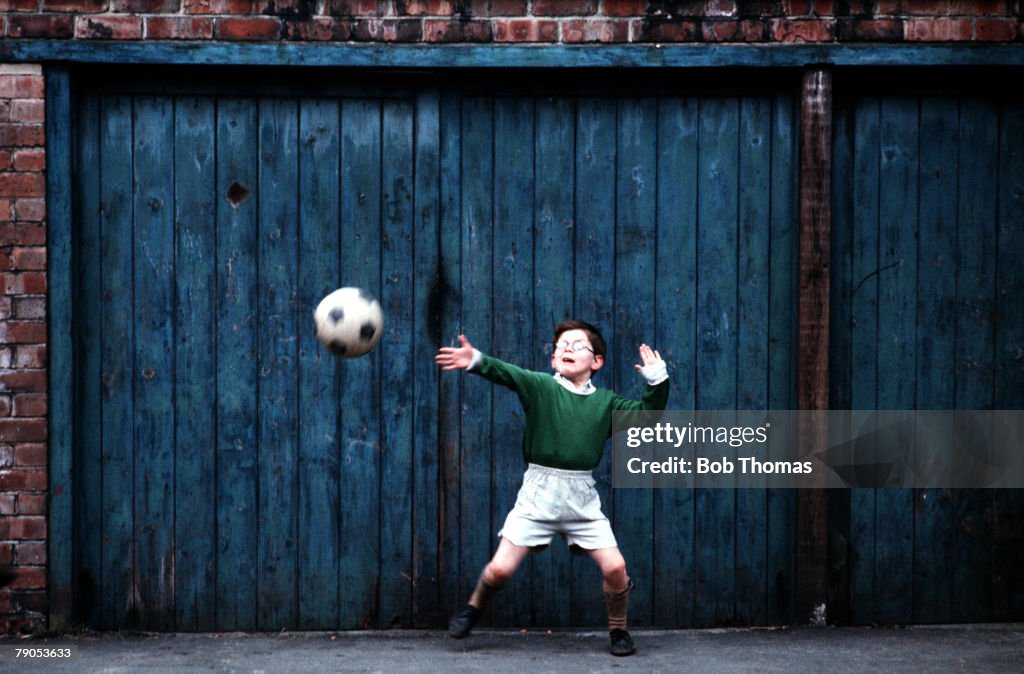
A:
(569, 360)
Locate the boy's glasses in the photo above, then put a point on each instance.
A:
(573, 347)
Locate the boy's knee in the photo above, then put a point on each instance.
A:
(614, 570)
(498, 573)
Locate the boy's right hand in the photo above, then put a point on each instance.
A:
(456, 358)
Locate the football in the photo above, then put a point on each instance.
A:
(349, 322)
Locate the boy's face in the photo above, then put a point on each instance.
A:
(577, 365)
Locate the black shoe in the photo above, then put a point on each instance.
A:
(622, 643)
(462, 622)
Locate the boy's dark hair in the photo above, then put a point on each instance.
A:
(593, 334)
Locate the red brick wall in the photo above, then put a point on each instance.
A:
(541, 21)
(23, 402)
(22, 349)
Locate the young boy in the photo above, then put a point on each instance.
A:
(568, 420)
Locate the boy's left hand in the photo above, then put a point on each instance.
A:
(648, 356)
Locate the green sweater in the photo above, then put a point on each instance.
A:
(564, 429)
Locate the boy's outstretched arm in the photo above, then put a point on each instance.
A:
(456, 358)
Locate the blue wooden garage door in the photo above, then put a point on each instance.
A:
(230, 474)
(928, 276)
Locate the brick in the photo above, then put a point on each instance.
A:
(249, 29)
(525, 30)
(28, 283)
(178, 28)
(457, 30)
(564, 7)
(75, 6)
(317, 29)
(797, 7)
(29, 160)
(30, 404)
(938, 30)
(21, 86)
(386, 30)
(31, 504)
(53, 26)
(30, 454)
(289, 8)
(354, 8)
(624, 7)
(22, 430)
(801, 30)
(22, 479)
(108, 28)
(28, 578)
(23, 381)
(5, 405)
(995, 30)
(30, 356)
(745, 30)
(720, 8)
(22, 184)
(24, 527)
(663, 30)
(22, 135)
(981, 8)
(32, 258)
(869, 30)
(32, 554)
(6, 549)
(18, 6)
(424, 7)
(925, 7)
(28, 111)
(236, 7)
(495, 8)
(595, 30)
(29, 209)
(145, 6)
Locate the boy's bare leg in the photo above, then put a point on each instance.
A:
(616, 588)
(498, 571)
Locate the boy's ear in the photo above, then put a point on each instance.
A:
(597, 364)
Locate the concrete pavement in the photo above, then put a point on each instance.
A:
(957, 648)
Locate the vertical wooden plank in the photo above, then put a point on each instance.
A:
(513, 331)
(715, 559)
(675, 309)
(61, 237)
(782, 347)
(864, 279)
(318, 547)
(753, 296)
(428, 298)
(635, 293)
(396, 348)
(475, 481)
(554, 150)
(1007, 524)
(359, 564)
(278, 417)
(447, 297)
(977, 233)
(153, 258)
(237, 367)
(934, 534)
(898, 200)
(88, 459)
(594, 288)
(812, 378)
(195, 371)
(116, 354)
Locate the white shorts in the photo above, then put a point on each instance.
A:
(553, 501)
